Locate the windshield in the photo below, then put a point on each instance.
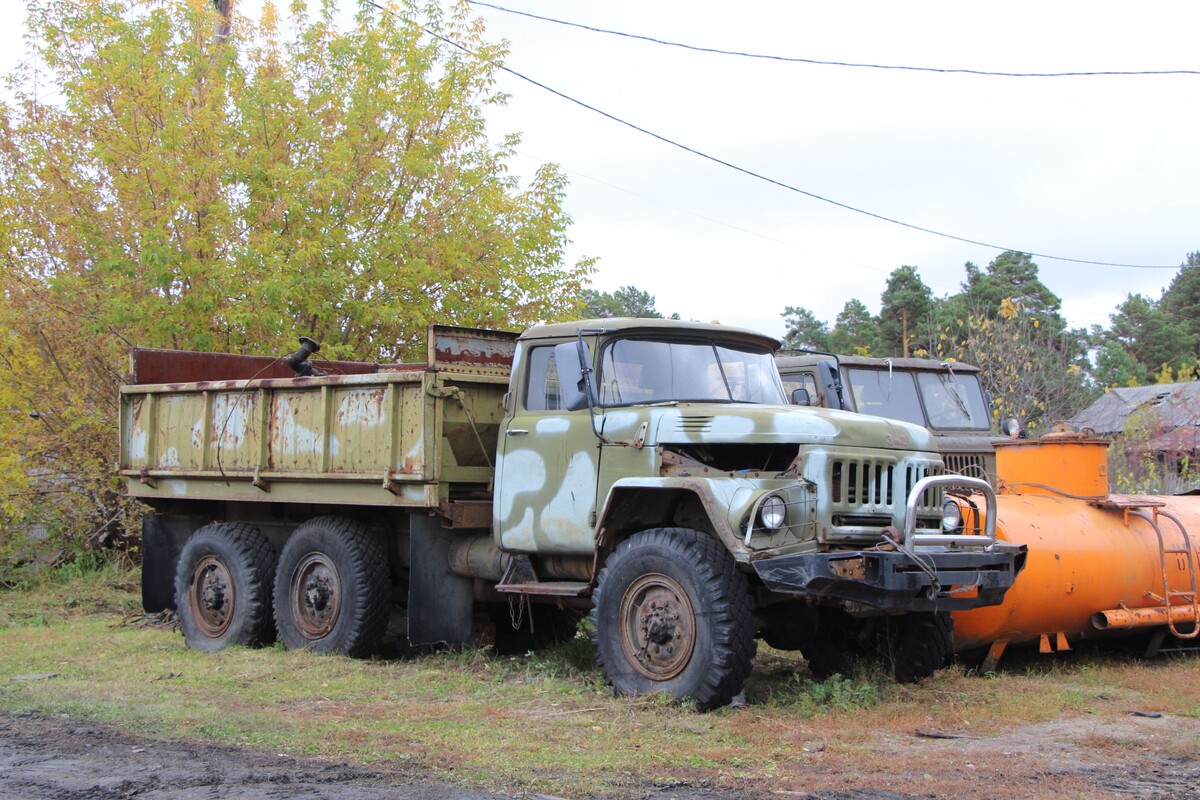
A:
(634, 371)
(885, 394)
(954, 401)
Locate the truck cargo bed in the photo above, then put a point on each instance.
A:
(202, 426)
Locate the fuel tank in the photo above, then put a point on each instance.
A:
(1100, 565)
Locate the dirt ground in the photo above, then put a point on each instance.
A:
(43, 756)
(64, 759)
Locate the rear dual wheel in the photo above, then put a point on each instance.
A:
(223, 587)
(332, 588)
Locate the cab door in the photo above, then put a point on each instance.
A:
(546, 472)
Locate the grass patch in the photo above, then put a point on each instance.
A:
(541, 722)
(809, 697)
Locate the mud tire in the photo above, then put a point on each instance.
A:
(788, 626)
(920, 644)
(332, 588)
(835, 646)
(669, 588)
(223, 587)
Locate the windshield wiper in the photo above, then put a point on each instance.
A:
(952, 386)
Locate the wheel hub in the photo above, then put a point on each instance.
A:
(212, 596)
(316, 593)
(658, 626)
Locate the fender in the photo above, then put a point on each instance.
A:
(725, 504)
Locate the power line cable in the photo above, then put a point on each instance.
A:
(714, 221)
(13, 71)
(818, 62)
(773, 181)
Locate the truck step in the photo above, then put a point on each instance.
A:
(554, 588)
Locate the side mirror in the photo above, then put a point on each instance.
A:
(830, 384)
(800, 397)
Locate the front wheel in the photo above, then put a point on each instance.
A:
(839, 641)
(920, 644)
(332, 588)
(223, 587)
(672, 615)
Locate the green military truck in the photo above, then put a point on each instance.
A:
(648, 470)
(945, 397)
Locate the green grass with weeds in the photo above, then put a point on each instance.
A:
(810, 697)
(541, 722)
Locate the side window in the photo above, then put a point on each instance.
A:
(541, 388)
(803, 381)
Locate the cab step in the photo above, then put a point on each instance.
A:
(550, 588)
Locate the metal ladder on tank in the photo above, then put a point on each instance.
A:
(1187, 564)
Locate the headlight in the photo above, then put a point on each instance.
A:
(951, 516)
(772, 512)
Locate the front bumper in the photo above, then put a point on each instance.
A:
(892, 580)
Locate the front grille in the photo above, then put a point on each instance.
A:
(870, 486)
(971, 465)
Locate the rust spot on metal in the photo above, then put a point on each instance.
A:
(466, 513)
(851, 568)
(361, 408)
(153, 366)
(470, 347)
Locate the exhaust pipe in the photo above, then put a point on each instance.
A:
(299, 360)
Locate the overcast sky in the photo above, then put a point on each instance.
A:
(1092, 168)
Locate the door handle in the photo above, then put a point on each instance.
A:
(516, 432)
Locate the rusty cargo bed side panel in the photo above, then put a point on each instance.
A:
(152, 366)
(400, 435)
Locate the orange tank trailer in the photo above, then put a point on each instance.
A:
(1099, 565)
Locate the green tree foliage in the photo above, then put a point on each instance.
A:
(1181, 301)
(1031, 372)
(1010, 276)
(804, 331)
(906, 306)
(201, 191)
(1006, 322)
(1153, 341)
(1151, 337)
(627, 301)
(1115, 367)
(855, 331)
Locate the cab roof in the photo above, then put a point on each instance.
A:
(639, 325)
(928, 364)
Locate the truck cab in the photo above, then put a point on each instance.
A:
(944, 397)
(626, 441)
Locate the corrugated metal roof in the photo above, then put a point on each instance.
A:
(1177, 404)
(1179, 442)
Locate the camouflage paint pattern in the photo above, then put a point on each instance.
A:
(555, 479)
(423, 435)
